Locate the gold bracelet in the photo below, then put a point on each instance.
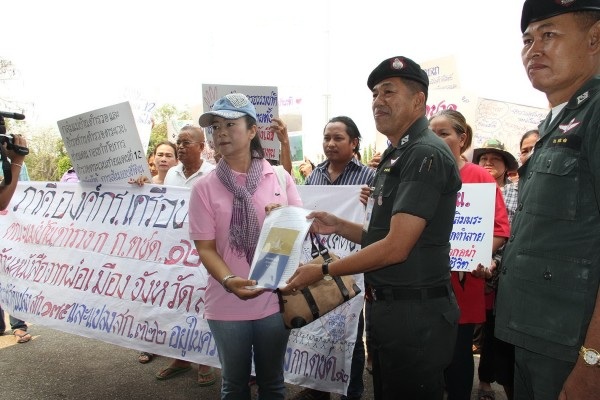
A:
(18, 165)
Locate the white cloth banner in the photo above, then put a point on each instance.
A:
(114, 262)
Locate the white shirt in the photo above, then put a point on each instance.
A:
(175, 176)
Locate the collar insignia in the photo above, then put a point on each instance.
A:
(582, 97)
(404, 140)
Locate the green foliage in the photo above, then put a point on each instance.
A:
(63, 163)
(298, 177)
(43, 155)
(48, 159)
(159, 131)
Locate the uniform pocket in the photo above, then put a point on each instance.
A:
(550, 297)
(554, 191)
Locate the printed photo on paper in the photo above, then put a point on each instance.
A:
(279, 246)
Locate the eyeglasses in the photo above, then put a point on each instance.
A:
(185, 143)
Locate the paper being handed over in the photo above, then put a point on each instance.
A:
(279, 246)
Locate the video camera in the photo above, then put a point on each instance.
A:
(10, 144)
(8, 140)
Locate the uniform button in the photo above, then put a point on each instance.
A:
(547, 275)
(520, 206)
(512, 237)
(504, 270)
(548, 163)
(529, 175)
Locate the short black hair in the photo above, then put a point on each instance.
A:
(351, 128)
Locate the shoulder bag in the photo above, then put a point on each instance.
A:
(306, 305)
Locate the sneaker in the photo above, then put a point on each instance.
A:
(311, 394)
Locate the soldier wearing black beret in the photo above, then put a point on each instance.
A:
(405, 241)
(537, 10)
(400, 67)
(548, 304)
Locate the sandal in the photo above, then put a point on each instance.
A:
(22, 337)
(145, 358)
(202, 377)
(486, 394)
(170, 372)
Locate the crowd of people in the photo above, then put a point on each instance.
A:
(536, 301)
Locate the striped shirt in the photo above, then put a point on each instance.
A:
(355, 173)
(510, 193)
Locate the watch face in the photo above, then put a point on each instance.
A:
(590, 357)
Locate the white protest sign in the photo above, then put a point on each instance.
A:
(175, 125)
(104, 145)
(438, 100)
(442, 73)
(115, 263)
(473, 231)
(506, 122)
(142, 107)
(265, 101)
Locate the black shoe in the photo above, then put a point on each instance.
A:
(311, 394)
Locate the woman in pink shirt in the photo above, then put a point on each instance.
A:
(226, 213)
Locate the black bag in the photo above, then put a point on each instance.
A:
(304, 306)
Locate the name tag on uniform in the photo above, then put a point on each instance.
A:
(368, 212)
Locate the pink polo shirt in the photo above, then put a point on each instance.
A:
(209, 217)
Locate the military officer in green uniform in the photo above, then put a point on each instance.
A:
(548, 303)
(405, 241)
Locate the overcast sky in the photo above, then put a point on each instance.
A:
(76, 56)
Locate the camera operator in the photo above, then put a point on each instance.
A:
(16, 163)
(13, 149)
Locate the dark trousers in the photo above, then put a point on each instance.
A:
(538, 376)
(497, 358)
(413, 343)
(15, 323)
(356, 386)
(459, 374)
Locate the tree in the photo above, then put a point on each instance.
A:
(48, 159)
(161, 117)
(45, 150)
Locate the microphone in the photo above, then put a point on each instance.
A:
(7, 114)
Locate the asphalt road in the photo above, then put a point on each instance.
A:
(56, 365)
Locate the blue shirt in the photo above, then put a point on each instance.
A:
(355, 173)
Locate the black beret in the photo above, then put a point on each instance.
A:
(537, 10)
(401, 67)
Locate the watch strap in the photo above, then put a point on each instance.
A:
(325, 268)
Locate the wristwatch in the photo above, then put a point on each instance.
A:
(590, 356)
(325, 269)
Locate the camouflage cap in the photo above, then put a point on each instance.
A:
(496, 146)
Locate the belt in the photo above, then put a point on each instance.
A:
(396, 293)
